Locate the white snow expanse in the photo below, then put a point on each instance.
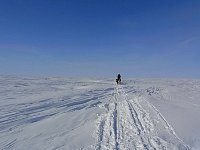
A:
(68, 114)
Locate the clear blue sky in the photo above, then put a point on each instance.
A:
(137, 38)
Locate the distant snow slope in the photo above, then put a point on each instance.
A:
(68, 113)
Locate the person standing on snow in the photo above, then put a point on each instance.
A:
(118, 80)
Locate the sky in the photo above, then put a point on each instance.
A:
(101, 38)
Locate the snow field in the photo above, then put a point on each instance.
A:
(87, 114)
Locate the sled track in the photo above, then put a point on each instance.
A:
(134, 124)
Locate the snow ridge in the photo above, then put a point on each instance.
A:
(134, 123)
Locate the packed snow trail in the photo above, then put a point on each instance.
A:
(133, 123)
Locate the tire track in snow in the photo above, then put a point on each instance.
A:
(127, 125)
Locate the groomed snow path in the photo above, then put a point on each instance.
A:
(132, 123)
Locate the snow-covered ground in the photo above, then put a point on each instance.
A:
(68, 113)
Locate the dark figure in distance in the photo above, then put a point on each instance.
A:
(118, 80)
